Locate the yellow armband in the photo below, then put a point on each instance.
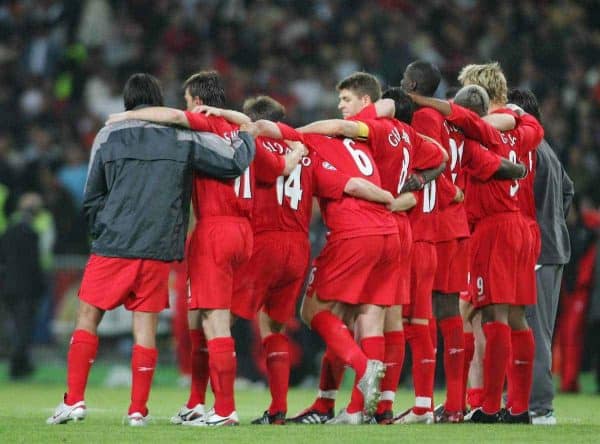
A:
(363, 130)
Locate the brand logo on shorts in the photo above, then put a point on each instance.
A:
(427, 361)
(518, 362)
(453, 351)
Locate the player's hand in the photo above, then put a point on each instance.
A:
(250, 128)
(297, 146)
(208, 110)
(516, 108)
(414, 182)
(117, 117)
(524, 169)
(459, 196)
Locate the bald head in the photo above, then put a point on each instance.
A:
(473, 97)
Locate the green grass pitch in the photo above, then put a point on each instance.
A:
(25, 406)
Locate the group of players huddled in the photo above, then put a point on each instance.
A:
(431, 223)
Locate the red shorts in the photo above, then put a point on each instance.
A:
(138, 284)
(466, 295)
(219, 248)
(276, 273)
(359, 270)
(422, 272)
(403, 270)
(497, 244)
(526, 277)
(452, 266)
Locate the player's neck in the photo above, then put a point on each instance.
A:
(495, 105)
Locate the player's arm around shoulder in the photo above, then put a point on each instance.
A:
(156, 114)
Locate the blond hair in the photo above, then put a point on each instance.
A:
(488, 76)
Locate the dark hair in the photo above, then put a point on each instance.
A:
(207, 86)
(142, 89)
(361, 84)
(404, 104)
(426, 76)
(263, 107)
(527, 100)
(473, 97)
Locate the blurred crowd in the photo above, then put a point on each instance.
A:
(63, 65)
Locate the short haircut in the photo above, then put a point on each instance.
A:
(426, 75)
(207, 86)
(142, 89)
(473, 97)
(362, 84)
(527, 100)
(488, 76)
(405, 107)
(264, 107)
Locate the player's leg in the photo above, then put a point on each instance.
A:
(447, 313)
(495, 361)
(194, 408)
(276, 348)
(221, 362)
(330, 376)
(393, 360)
(143, 362)
(475, 372)
(467, 312)
(520, 367)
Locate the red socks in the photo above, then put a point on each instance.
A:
(469, 353)
(222, 366)
(475, 397)
(520, 370)
(433, 333)
(200, 372)
(332, 373)
(143, 363)
(278, 370)
(495, 362)
(337, 338)
(374, 348)
(80, 358)
(454, 356)
(423, 366)
(393, 360)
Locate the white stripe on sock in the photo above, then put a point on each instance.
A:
(423, 402)
(327, 394)
(388, 395)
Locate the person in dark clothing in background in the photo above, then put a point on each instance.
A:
(21, 281)
(553, 192)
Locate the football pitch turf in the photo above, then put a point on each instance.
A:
(24, 408)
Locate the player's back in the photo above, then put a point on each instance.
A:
(452, 223)
(285, 205)
(215, 197)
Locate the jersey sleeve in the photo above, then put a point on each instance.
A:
(427, 154)
(446, 191)
(530, 133)
(198, 121)
(377, 130)
(478, 161)
(329, 182)
(425, 122)
(473, 126)
(289, 133)
(268, 166)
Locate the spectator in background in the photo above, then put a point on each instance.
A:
(22, 280)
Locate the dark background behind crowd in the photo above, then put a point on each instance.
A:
(63, 65)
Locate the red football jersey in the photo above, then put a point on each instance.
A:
(285, 205)
(218, 197)
(339, 160)
(398, 150)
(499, 196)
(529, 134)
(452, 222)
